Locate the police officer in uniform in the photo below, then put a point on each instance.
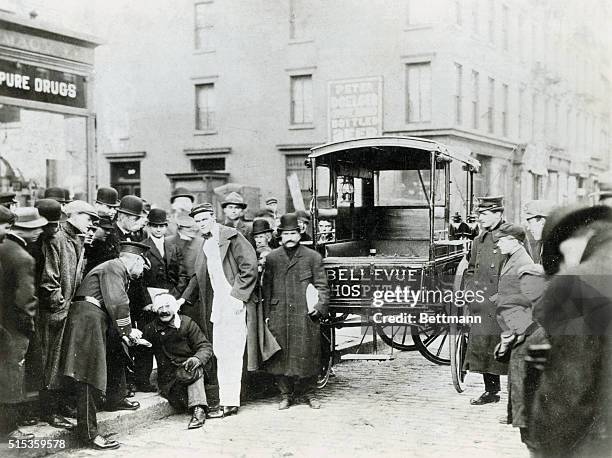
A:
(482, 274)
(101, 303)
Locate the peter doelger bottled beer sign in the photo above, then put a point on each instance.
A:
(42, 85)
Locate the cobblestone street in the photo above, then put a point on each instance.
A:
(403, 407)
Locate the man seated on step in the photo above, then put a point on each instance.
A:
(181, 351)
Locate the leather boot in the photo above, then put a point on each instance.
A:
(485, 398)
(197, 418)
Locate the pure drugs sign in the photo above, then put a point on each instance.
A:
(39, 84)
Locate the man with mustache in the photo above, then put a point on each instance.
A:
(291, 271)
(181, 351)
(101, 304)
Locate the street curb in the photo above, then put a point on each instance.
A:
(152, 407)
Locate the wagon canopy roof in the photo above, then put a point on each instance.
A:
(380, 153)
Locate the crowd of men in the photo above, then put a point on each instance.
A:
(546, 322)
(91, 294)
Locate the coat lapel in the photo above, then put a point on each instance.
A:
(293, 261)
(224, 241)
(153, 249)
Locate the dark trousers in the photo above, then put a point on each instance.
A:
(294, 386)
(116, 368)
(142, 356)
(9, 418)
(492, 383)
(87, 422)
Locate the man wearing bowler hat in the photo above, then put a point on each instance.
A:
(107, 201)
(101, 303)
(7, 200)
(233, 209)
(225, 280)
(165, 259)
(18, 304)
(482, 274)
(292, 274)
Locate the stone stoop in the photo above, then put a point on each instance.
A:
(152, 407)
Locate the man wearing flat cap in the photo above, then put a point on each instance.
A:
(536, 212)
(513, 308)
(233, 208)
(64, 263)
(101, 303)
(224, 282)
(482, 275)
(7, 200)
(18, 304)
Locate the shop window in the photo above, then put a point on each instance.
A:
(208, 164)
(301, 99)
(9, 114)
(125, 177)
(296, 164)
(418, 92)
(481, 179)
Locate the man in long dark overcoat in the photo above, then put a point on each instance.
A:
(482, 274)
(18, 304)
(290, 270)
(571, 415)
(64, 259)
(224, 281)
(101, 302)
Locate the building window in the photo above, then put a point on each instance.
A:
(458, 12)
(556, 131)
(491, 107)
(483, 177)
(505, 110)
(205, 106)
(534, 113)
(505, 32)
(475, 18)
(519, 35)
(521, 107)
(491, 23)
(296, 164)
(418, 12)
(212, 164)
(301, 99)
(299, 19)
(125, 177)
(458, 93)
(537, 188)
(203, 26)
(418, 92)
(475, 99)
(546, 121)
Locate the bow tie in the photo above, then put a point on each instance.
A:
(207, 236)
